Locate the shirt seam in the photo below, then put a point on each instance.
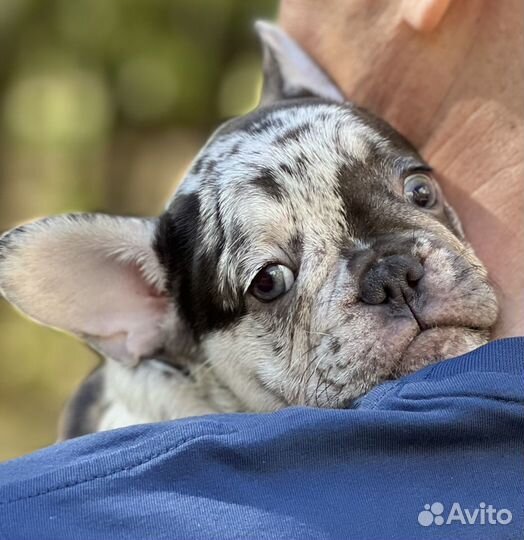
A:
(112, 472)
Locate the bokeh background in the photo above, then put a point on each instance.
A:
(103, 103)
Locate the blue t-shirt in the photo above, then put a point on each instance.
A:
(437, 454)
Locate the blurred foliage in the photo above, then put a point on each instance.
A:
(102, 105)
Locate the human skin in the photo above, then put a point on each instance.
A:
(449, 75)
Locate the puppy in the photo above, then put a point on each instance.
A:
(308, 255)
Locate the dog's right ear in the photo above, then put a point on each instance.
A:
(95, 276)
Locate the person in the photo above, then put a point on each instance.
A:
(436, 454)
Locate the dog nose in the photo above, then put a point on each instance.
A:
(391, 278)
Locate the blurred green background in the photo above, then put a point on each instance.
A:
(102, 105)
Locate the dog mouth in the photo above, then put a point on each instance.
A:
(408, 299)
(421, 347)
(439, 339)
(435, 343)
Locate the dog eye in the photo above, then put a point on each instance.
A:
(420, 190)
(271, 282)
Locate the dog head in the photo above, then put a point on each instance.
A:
(308, 255)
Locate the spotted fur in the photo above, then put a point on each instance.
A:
(308, 181)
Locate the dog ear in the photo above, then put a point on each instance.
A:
(289, 72)
(93, 275)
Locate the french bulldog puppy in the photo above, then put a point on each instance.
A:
(308, 255)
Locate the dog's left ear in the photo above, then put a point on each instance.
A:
(289, 72)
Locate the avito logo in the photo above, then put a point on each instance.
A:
(484, 514)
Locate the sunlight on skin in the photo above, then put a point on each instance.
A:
(448, 75)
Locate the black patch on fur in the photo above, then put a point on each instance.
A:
(84, 410)
(197, 167)
(266, 124)
(234, 150)
(176, 363)
(210, 168)
(356, 186)
(238, 236)
(191, 271)
(302, 163)
(372, 207)
(284, 167)
(268, 183)
(296, 243)
(334, 345)
(294, 134)
(278, 348)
